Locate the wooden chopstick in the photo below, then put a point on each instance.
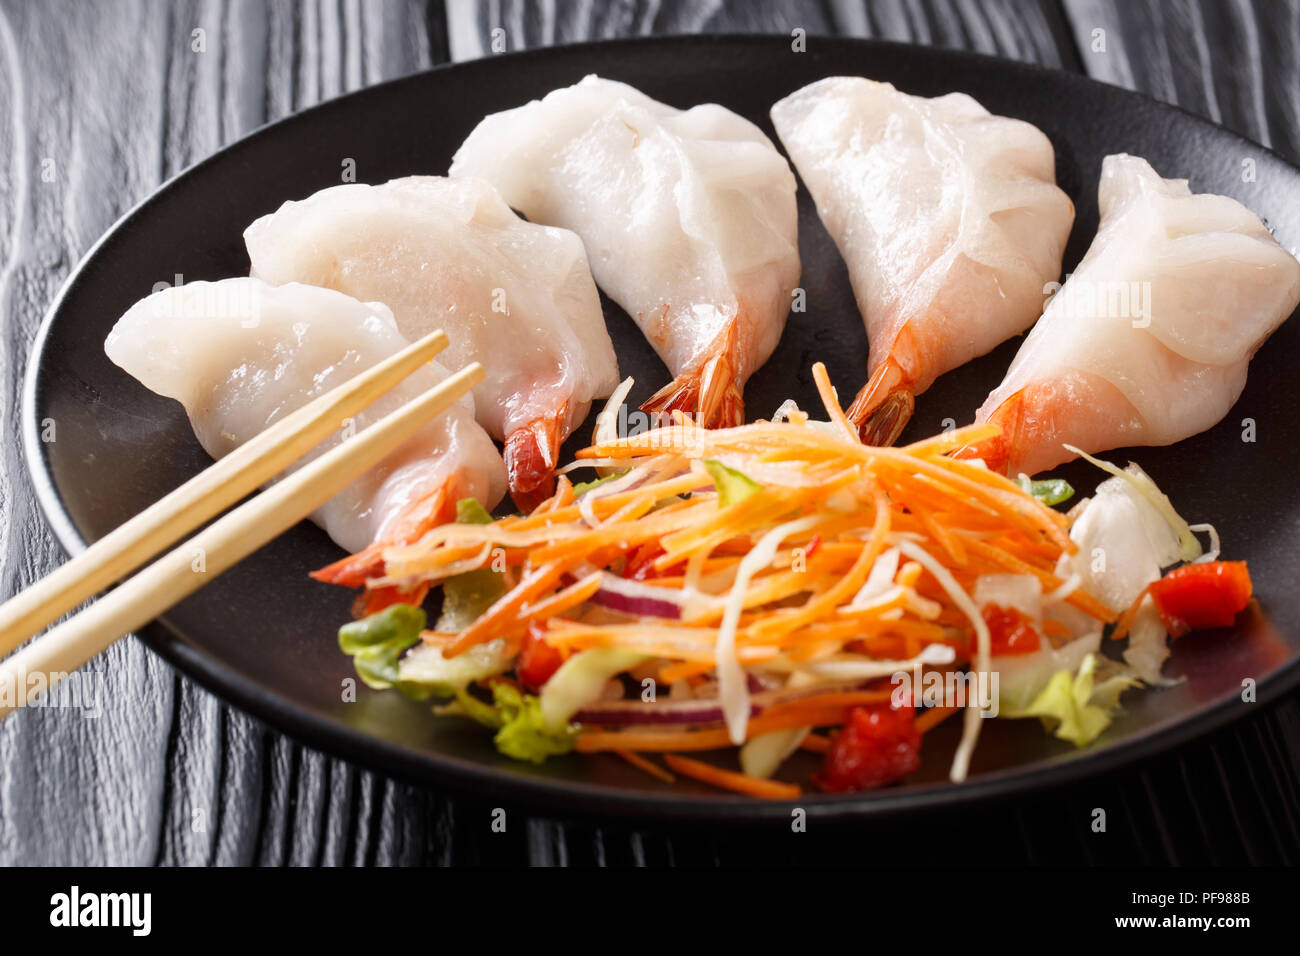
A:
(223, 543)
(209, 493)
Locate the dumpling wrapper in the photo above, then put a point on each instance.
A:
(515, 296)
(240, 355)
(689, 218)
(949, 220)
(1148, 342)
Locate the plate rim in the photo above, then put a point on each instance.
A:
(319, 731)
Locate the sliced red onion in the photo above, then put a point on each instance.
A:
(635, 598)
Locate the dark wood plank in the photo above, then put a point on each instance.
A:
(117, 98)
(1032, 31)
(1236, 63)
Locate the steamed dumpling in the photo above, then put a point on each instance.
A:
(447, 254)
(689, 219)
(948, 217)
(1148, 341)
(240, 355)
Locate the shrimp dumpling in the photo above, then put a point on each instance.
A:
(689, 218)
(240, 355)
(949, 220)
(450, 254)
(1148, 342)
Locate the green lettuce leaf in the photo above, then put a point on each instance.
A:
(466, 596)
(732, 486)
(522, 734)
(1074, 707)
(580, 680)
(469, 511)
(376, 643)
(517, 719)
(1050, 491)
(583, 487)
(438, 676)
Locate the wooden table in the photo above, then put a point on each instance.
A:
(102, 101)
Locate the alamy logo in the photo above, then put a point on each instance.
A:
(75, 908)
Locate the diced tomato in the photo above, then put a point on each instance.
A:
(1010, 630)
(814, 543)
(878, 744)
(1198, 596)
(538, 660)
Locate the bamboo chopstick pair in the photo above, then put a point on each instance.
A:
(228, 540)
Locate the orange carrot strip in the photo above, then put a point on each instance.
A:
(815, 742)
(562, 601)
(948, 441)
(625, 535)
(950, 543)
(607, 504)
(641, 763)
(832, 403)
(501, 614)
(731, 780)
(1125, 621)
(845, 587)
(1081, 599)
(684, 670)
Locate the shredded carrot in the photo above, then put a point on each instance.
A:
(562, 601)
(641, 763)
(815, 743)
(934, 716)
(681, 541)
(496, 618)
(1124, 623)
(684, 670)
(731, 780)
(1081, 599)
(832, 403)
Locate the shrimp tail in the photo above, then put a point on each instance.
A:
(708, 392)
(997, 451)
(532, 452)
(884, 406)
(420, 516)
(375, 600)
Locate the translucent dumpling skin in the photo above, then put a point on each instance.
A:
(1148, 341)
(240, 355)
(516, 296)
(949, 220)
(689, 219)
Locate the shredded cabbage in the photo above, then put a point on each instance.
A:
(1189, 547)
(426, 666)
(580, 680)
(1148, 645)
(733, 690)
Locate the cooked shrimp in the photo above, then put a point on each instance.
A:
(948, 217)
(240, 355)
(1149, 341)
(449, 254)
(689, 218)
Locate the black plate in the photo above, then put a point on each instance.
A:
(262, 636)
